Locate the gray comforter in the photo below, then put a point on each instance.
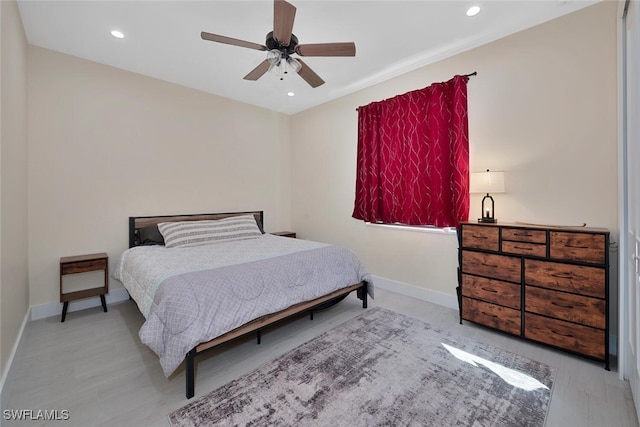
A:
(190, 307)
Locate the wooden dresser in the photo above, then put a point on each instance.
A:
(545, 284)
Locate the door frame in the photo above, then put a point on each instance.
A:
(628, 364)
(623, 226)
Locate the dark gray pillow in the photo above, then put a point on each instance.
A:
(150, 235)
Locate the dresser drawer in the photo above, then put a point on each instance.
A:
(561, 305)
(524, 248)
(491, 265)
(490, 290)
(494, 316)
(565, 277)
(524, 235)
(480, 237)
(582, 247)
(572, 337)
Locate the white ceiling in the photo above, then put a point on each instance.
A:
(163, 39)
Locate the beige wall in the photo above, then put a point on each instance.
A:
(14, 287)
(106, 144)
(542, 108)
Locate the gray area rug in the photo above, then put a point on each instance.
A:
(382, 369)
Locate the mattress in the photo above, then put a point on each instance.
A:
(194, 294)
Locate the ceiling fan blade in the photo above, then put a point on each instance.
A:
(231, 41)
(327, 49)
(309, 75)
(257, 72)
(283, 16)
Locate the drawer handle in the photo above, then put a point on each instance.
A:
(489, 314)
(576, 247)
(563, 276)
(562, 335)
(561, 305)
(524, 249)
(522, 234)
(479, 237)
(489, 290)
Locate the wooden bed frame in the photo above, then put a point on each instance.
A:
(258, 324)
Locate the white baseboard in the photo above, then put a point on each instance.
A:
(14, 350)
(55, 308)
(440, 298)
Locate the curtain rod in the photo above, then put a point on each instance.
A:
(475, 73)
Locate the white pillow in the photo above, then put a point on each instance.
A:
(195, 233)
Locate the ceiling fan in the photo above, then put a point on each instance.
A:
(281, 43)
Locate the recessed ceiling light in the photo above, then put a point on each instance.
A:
(117, 34)
(473, 10)
(291, 94)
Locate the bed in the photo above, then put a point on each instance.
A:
(202, 280)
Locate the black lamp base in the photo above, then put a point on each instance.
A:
(488, 220)
(487, 211)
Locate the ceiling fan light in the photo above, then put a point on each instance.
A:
(294, 64)
(275, 69)
(273, 56)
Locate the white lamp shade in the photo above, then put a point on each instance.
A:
(486, 182)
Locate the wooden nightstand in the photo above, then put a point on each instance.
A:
(285, 234)
(83, 264)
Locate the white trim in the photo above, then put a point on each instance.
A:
(14, 350)
(55, 308)
(446, 300)
(418, 228)
(623, 279)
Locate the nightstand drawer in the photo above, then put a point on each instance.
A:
(583, 247)
(490, 290)
(83, 266)
(561, 305)
(524, 248)
(577, 279)
(490, 265)
(524, 235)
(480, 237)
(494, 316)
(572, 337)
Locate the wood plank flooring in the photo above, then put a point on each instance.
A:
(95, 367)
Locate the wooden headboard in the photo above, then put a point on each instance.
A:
(137, 222)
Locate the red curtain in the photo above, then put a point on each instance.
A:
(413, 157)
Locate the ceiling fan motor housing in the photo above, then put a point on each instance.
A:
(272, 43)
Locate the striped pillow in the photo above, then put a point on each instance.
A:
(195, 233)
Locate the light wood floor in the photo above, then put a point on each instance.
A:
(94, 366)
